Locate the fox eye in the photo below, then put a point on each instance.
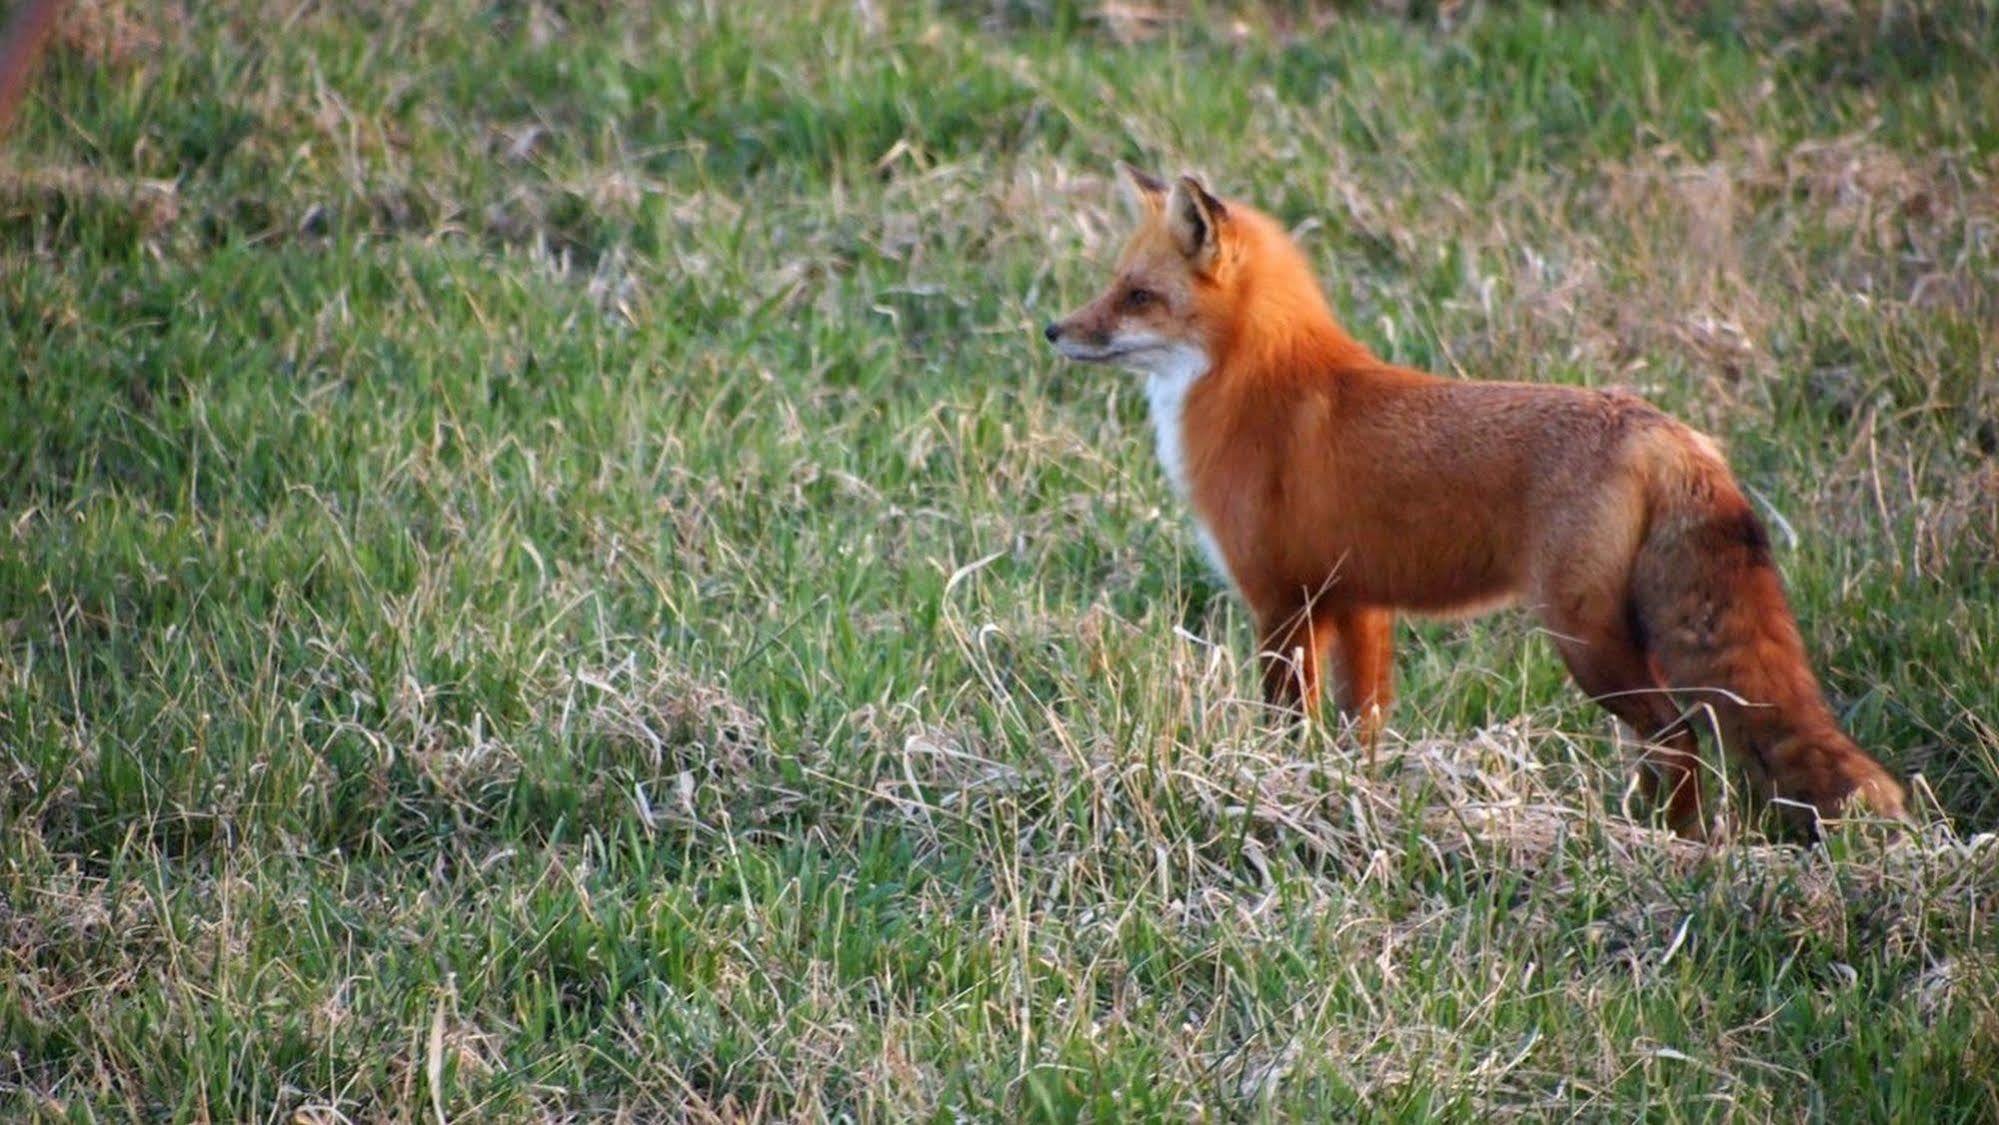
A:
(1139, 298)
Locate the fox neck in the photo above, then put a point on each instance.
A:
(1287, 334)
(1168, 382)
(1282, 324)
(1281, 329)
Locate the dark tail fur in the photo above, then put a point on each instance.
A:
(1712, 610)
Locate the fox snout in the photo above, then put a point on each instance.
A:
(1074, 341)
(1083, 336)
(1065, 331)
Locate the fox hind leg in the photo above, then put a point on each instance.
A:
(1612, 670)
(1598, 636)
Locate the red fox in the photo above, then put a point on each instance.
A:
(1333, 490)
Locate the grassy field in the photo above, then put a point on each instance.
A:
(546, 571)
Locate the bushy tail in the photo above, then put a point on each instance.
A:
(1712, 609)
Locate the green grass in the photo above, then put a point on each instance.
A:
(545, 569)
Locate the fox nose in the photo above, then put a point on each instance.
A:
(1053, 331)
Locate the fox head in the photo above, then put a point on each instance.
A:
(1165, 303)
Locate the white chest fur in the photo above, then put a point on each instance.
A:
(1170, 375)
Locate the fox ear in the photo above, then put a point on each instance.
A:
(1144, 191)
(1193, 217)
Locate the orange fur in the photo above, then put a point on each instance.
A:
(1338, 489)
